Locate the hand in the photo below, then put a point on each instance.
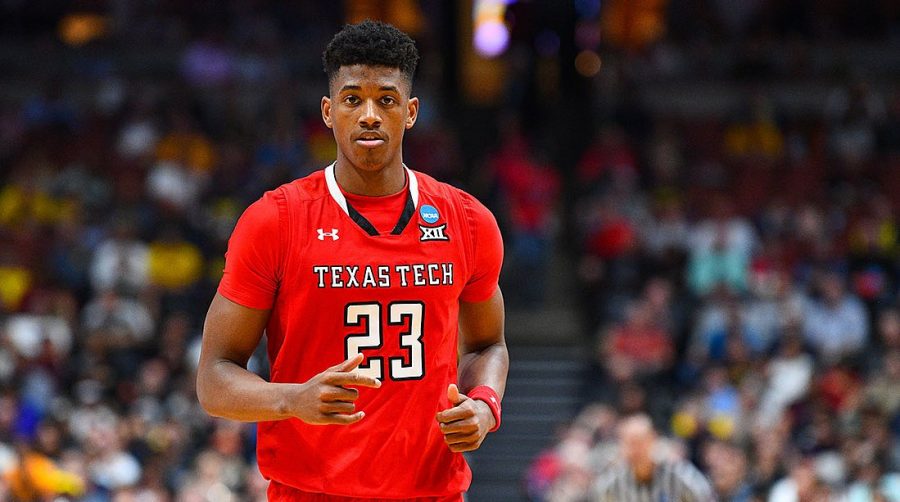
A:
(465, 424)
(326, 399)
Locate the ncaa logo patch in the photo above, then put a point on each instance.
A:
(429, 214)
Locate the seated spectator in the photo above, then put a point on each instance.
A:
(883, 390)
(173, 262)
(717, 266)
(804, 483)
(836, 322)
(755, 134)
(874, 482)
(116, 329)
(889, 329)
(16, 280)
(636, 347)
(37, 477)
(121, 260)
(667, 233)
(720, 251)
(728, 471)
(789, 376)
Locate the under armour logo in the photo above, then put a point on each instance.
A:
(434, 233)
(333, 234)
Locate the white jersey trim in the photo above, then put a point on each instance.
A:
(335, 191)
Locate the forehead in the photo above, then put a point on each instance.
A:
(365, 76)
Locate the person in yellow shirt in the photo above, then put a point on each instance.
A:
(173, 262)
(36, 477)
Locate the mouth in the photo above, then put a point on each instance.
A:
(370, 140)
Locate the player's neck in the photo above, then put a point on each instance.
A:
(385, 181)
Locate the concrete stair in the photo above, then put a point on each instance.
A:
(541, 393)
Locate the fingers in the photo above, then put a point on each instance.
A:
(337, 407)
(354, 379)
(464, 446)
(339, 394)
(348, 365)
(341, 419)
(454, 414)
(467, 426)
(460, 439)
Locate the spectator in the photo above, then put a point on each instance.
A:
(789, 379)
(173, 263)
(121, 260)
(637, 347)
(36, 477)
(728, 471)
(530, 190)
(720, 251)
(804, 483)
(836, 323)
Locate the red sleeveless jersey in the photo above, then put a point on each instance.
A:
(337, 287)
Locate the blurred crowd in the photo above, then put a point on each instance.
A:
(740, 284)
(736, 275)
(118, 190)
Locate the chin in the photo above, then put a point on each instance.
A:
(367, 166)
(370, 162)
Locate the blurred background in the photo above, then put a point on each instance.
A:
(699, 200)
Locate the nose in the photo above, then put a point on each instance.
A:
(370, 118)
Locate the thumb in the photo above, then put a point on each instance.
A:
(454, 395)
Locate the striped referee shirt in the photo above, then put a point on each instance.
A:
(677, 481)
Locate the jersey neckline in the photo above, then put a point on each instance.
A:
(409, 209)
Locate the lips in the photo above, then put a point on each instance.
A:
(370, 143)
(370, 140)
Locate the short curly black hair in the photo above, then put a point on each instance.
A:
(371, 43)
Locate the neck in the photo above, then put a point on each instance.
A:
(643, 471)
(388, 180)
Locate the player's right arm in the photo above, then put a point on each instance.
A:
(226, 388)
(235, 323)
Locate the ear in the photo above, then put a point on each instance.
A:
(412, 109)
(326, 111)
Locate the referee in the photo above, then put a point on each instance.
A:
(644, 478)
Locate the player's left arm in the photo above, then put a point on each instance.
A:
(484, 360)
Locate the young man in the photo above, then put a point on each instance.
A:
(644, 476)
(368, 278)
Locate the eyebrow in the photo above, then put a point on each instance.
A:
(359, 88)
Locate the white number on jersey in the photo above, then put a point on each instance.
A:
(399, 314)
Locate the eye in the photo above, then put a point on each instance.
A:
(351, 100)
(388, 100)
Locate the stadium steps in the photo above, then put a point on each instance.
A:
(541, 394)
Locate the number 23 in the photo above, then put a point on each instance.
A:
(399, 314)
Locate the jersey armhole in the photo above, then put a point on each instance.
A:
(290, 202)
(470, 235)
(283, 238)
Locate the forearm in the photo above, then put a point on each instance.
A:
(228, 390)
(484, 366)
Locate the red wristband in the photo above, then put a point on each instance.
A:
(490, 397)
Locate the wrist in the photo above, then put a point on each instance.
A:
(491, 399)
(286, 399)
(485, 411)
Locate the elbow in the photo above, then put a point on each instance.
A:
(206, 394)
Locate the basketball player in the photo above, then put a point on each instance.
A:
(377, 288)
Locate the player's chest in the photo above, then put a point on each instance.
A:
(428, 255)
